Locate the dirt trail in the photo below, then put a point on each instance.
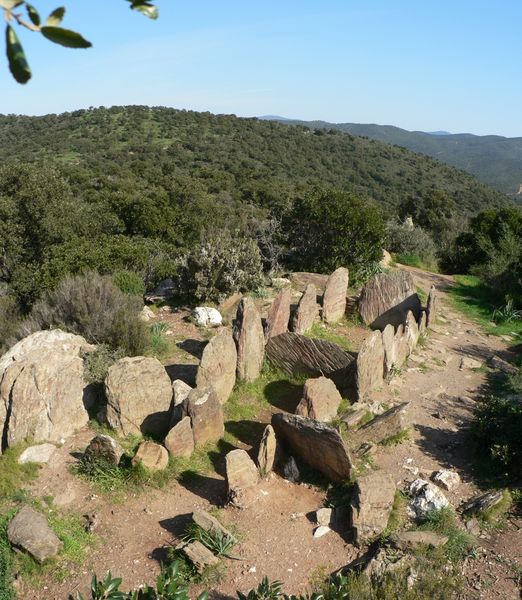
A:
(135, 535)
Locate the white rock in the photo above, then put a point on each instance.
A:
(323, 516)
(446, 479)
(322, 530)
(206, 316)
(37, 454)
(425, 497)
(146, 314)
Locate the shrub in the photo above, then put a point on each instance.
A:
(221, 266)
(92, 306)
(9, 321)
(98, 362)
(330, 228)
(415, 242)
(129, 282)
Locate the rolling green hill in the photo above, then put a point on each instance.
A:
(493, 159)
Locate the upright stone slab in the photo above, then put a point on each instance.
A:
(180, 439)
(267, 450)
(334, 299)
(423, 323)
(242, 478)
(307, 310)
(218, 365)
(370, 364)
(402, 345)
(279, 314)
(387, 298)
(371, 505)
(390, 349)
(431, 309)
(104, 448)
(206, 415)
(412, 331)
(321, 400)
(318, 444)
(180, 391)
(152, 456)
(250, 340)
(139, 396)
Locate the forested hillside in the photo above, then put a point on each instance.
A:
(493, 159)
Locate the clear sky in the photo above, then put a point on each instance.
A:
(418, 64)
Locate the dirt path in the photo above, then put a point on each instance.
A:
(135, 535)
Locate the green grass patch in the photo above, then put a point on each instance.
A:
(6, 560)
(476, 300)
(413, 260)
(397, 438)
(495, 516)
(398, 516)
(13, 475)
(444, 522)
(330, 334)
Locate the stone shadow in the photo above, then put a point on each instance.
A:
(185, 372)
(247, 432)
(194, 347)
(211, 489)
(284, 394)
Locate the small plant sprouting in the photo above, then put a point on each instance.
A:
(219, 543)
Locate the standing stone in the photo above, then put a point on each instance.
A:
(307, 310)
(387, 298)
(242, 477)
(218, 365)
(432, 307)
(180, 391)
(423, 323)
(139, 396)
(320, 445)
(30, 531)
(334, 299)
(40, 454)
(180, 439)
(412, 330)
(321, 400)
(390, 349)
(279, 314)
(370, 364)
(206, 415)
(267, 450)
(152, 456)
(104, 448)
(371, 505)
(250, 340)
(402, 346)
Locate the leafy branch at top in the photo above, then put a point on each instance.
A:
(51, 29)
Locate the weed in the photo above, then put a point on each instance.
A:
(219, 543)
(159, 343)
(12, 474)
(6, 561)
(444, 522)
(495, 516)
(397, 438)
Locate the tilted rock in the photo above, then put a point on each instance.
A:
(370, 365)
(267, 450)
(30, 531)
(503, 365)
(180, 392)
(198, 554)
(387, 298)
(218, 365)
(139, 396)
(211, 524)
(371, 505)
(250, 340)
(242, 477)
(320, 445)
(390, 423)
(37, 454)
(207, 316)
(409, 540)
(320, 401)
(307, 310)
(449, 480)
(425, 498)
(482, 502)
(206, 415)
(390, 348)
(300, 280)
(279, 314)
(42, 388)
(152, 456)
(432, 307)
(334, 299)
(180, 439)
(104, 448)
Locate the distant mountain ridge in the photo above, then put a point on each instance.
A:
(493, 159)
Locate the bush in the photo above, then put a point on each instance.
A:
(92, 306)
(221, 266)
(330, 228)
(9, 321)
(129, 282)
(414, 242)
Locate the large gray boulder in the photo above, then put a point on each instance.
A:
(387, 298)
(139, 396)
(279, 314)
(307, 310)
(42, 388)
(30, 531)
(206, 415)
(318, 444)
(370, 365)
(217, 368)
(371, 505)
(334, 299)
(320, 401)
(250, 340)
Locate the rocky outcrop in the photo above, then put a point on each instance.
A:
(371, 505)
(104, 448)
(30, 531)
(307, 310)
(387, 298)
(334, 299)
(321, 400)
(206, 415)
(250, 340)
(279, 314)
(151, 456)
(180, 439)
(320, 445)
(42, 388)
(139, 396)
(217, 368)
(267, 450)
(370, 365)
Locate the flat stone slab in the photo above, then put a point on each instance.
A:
(390, 423)
(372, 504)
(37, 454)
(30, 531)
(199, 555)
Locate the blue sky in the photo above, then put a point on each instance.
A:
(419, 64)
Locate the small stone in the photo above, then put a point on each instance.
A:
(446, 479)
(425, 498)
(322, 530)
(37, 454)
(210, 524)
(290, 471)
(199, 555)
(152, 456)
(323, 516)
(409, 540)
(242, 477)
(206, 316)
(146, 314)
(104, 448)
(469, 363)
(267, 450)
